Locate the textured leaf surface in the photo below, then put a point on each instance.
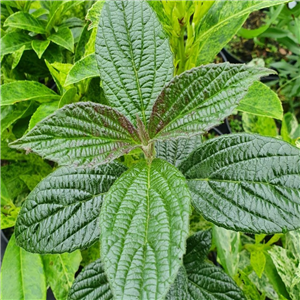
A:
(60, 272)
(63, 37)
(81, 133)
(134, 57)
(26, 21)
(144, 224)
(18, 91)
(82, 69)
(40, 47)
(246, 183)
(61, 214)
(200, 98)
(262, 101)
(91, 284)
(13, 41)
(22, 274)
(175, 152)
(179, 289)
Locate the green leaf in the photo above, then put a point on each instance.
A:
(81, 133)
(134, 57)
(175, 152)
(200, 98)
(258, 124)
(179, 289)
(262, 101)
(17, 55)
(91, 284)
(18, 91)
(68, 97)
(26, 21)
(246, 183)
(43, 111)
(13, 41)
(143, 233)
(258, 262)
(22, 274)
(213, 33)
(90, 254)
(290, 129)
(60, 272)
(40, 47)
(62, 213)
(63, 37)
(94, 13)
(82, 69)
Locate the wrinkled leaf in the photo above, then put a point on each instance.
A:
(246, 183)
(13, 41)
(61, 214)
(144, 223)
(63, 37)
(81, 133)
(40, 46)
(134, 57)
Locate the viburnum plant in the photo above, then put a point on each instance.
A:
(242, 182)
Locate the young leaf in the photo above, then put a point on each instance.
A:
(91, 284)
(144, 225)
(262, 101)
(82, 69)
(26, 21)
(22, 274)
(61, 214)
(63, 37)
(246, 183)
(40, 47)
(60, 272)
(200, 98)
(94, 13)
(68, 97)
(81, 133)
(18, 91)
(13, 41)
(134, 57)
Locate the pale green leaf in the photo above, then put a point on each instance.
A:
(94, 13)
(258, 261)
(82, 69)
(13, 41)
(144, 225)
(62, 213)
(60, 272)
(40, 46)
(22, 274)
(290, 129)
(81, 133)
(16, 56)
(134, 57)
(68, 97)
(246, 183)
(63, 37)
(18, 91)
(262, 101)
(200, 98)
(26, 21)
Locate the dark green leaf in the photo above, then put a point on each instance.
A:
(63, 37)
(91, 284)
(18, 91)
(81, 133)
(134, 57)
(246, 183)
(179, 289)
(144, 225)
(13, 41)
(62, 213)
(40, 47)
(200, 98)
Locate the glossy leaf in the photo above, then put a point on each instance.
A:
(246, 183)
(91, 284)
(82, 133)
(40, 47)
(175, 152)
(82, 69)
(262, 101)
(134, 57)
(18, 91)
(200, 98)
(22, 274)
(26, 21)
(13, 41)
(144, 223)
(63, 37)
(62, 213)
(60, 272)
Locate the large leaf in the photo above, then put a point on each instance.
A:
(22, 274)
(144, 223)
(200, 98)
(91, 284)
(134, 57)
(60, 272)
(81, 133)
(246, 183)
(26, 21)
(221, 23)
(61, 214)
(18, 91)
